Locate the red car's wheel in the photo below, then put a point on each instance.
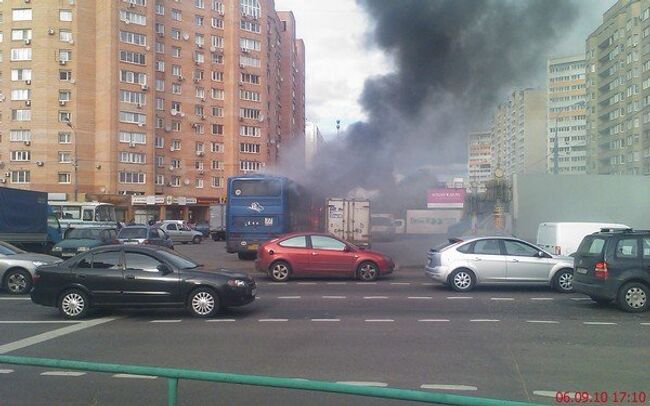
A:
(279, 271)
(367, 271)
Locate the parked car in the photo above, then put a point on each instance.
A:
(80, 240)
(464, 264)
(203, 228)
(133, 235)
(613, 265)
(17, 268)
(138, 276)
(564, 238)
(313, 254)
(180, 232)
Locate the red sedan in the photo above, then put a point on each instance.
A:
(313, 254)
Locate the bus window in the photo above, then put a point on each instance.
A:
(88, 215)
(71, 212)
(105, 213)
(254, 187)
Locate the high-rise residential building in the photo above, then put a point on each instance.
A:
(313, 142)
(519, 133)
(157, 99)
(618, 91)
(566, 115)
(479, 160)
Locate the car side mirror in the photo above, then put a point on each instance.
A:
(164, 269)
(541, 254)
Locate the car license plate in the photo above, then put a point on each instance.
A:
(581, 270)
(131, 242)
(252, 247)
(67, 254)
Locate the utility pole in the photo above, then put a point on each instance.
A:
(76, 161)
(555, 150)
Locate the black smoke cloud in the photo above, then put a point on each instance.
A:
(454, 60)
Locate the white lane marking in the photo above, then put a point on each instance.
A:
(289, 297)
(166, 321)
(272, 320)
(433, 320)
(62, 373)
(220, 320)
(459, 297)
(378, 320)
(39, 322)
(6, 371)
(15, 298)
(400, 283)
(334, 297)
(325, 319)
(420, 297)
(426, 284)
(357, 383)
(307, 283)
(503, 299)
(543, 321)
(366, 283)
(542, 298)
(276, 283)
(484, 320)
(551, 394)
(599, 323)
(39, 338)
(134, 376)
(336, 283)
(580, 299)
(645, 324)
(375, 297)
(448, 387)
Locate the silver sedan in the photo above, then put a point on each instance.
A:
(17, 268)
(463, 264)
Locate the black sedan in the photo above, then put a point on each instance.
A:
(138, 276)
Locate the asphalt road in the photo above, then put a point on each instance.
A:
(403, 331)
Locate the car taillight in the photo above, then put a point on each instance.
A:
(600, 271)
(115, 242)
(146, 242)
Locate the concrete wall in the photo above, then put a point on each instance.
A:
(598, 198)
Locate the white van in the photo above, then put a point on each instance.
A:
(564, 238)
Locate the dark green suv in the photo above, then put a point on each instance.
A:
(614, 265)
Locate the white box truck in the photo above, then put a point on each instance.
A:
(349, 220)
(564, 238)
(218, 222)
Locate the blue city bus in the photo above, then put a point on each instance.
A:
(260, 208)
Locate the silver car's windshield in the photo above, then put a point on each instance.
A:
(84, 234)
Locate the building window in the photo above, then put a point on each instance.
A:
(160, 85)
(216, 22)
(250, 78)
(132, 177)
(160, 47)
(21, 54)
(21, 14)
(159, 142)
(199, 92)
(132, 118)
(159, 29)
(160, 66)
(176, 70)
(198, 165)
(218, 6)
(249, 95)
(132, 157)
(216, 146)
(128, 76)
(218, 94)
(249, 148)
(250, 26)
(160, 9)
(65, 36)
(176, 88)
(133, 18)
(199, 3)
(217, 76)
(20, 135)
(176, 145)
(216, 41)
(133, 38)
(160, 180)
(21, 156)
(176, 34)
(21, 74)
(198, 110)
(65, 117)
(21, 34)
(254, 114)
(65, 15)
(65, 55)
(65, 157)
(198, 20)
(217, 129)
(176, 15)
(176, 126)
(217, 58)
(198, 183)
(175, 163)
(132, 57)
(175, 182)
(250, 44)
(217, 111)
(65, 138)
(216, 182)
(250, 8)
(176, 52)
(160, 103)
(21, 115)
(199, 57)
(217, 165)
(250, 131)
(129, 137)
(20, 176)
(65, 95)
(250, 166)
(64, 177)
(20, 94)
(249, 61)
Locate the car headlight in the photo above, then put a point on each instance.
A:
(57, 249)
(238, 283)
(39, 263)
(82, 249)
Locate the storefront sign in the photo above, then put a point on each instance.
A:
(446, 198)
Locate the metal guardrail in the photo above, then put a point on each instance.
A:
(174, 374)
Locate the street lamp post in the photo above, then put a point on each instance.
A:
(75, 164)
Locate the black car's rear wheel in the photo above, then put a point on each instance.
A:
(203, 302)
(633, 297)
(367, 271)
(17, 282)
(279, 271)
(74, 304)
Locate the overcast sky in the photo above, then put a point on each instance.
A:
(340, 55)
